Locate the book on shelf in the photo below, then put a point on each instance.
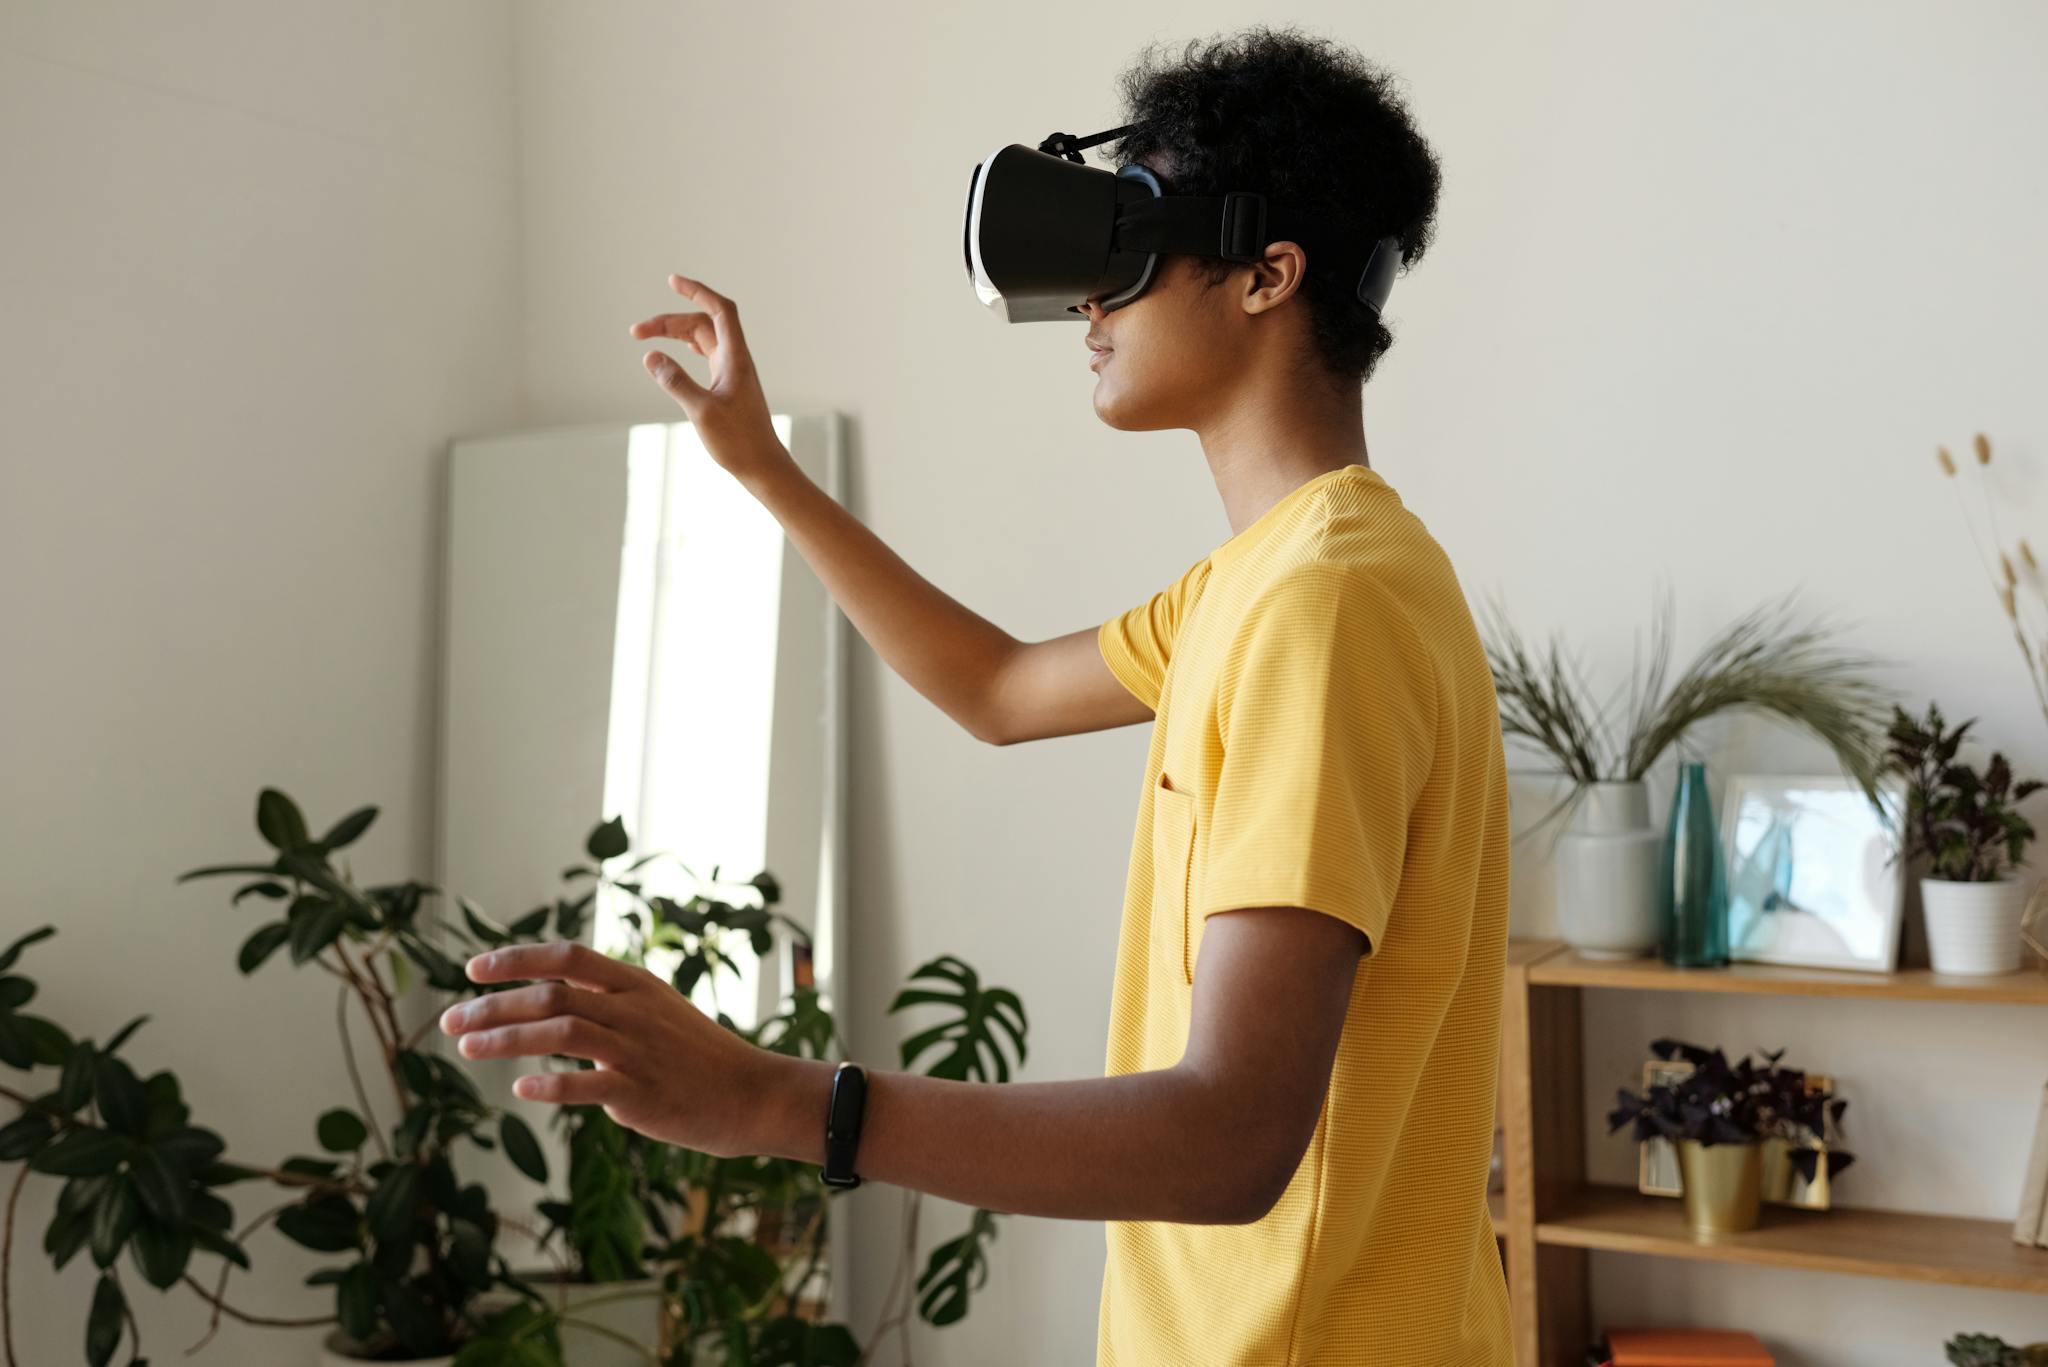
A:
(2031, 1226)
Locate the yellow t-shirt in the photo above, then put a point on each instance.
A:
(1326, 736)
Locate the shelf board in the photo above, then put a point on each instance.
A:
(1867, 1243)
(1567, 968)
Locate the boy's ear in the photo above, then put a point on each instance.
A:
(1275, 277)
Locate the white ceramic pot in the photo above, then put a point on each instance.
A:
(1973, 928)
(1607, 873)
(629, 1308)
(334, 1353)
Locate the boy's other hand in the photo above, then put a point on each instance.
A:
(663, 1067)
(730, 413)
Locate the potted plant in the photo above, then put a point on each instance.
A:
(1966, 824)
(731, 1250)
(1718, 1116)
(1988, 1350)
(418, 1277)
(1608, 853)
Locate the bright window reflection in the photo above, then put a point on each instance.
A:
(693, 688)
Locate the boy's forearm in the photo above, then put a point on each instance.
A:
(1141, 1146)
(941, 648)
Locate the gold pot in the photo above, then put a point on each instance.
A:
(1723, 1185)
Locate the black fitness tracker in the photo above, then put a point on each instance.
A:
(842, 1126)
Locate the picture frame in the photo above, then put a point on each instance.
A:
(1813, 877)
(1657, 1158)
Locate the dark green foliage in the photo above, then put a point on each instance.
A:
(1984, 1350)
(1740, 1103)
(956, 1267)
(1966, 823)
(978, 1012)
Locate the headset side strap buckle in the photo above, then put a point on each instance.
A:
(1244, 226)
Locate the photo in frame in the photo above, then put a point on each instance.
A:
(1812, 877)
(1657, 1159)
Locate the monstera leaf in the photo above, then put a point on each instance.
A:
(943, 1285)
(981, 1011)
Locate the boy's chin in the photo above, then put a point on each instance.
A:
(1116, 408)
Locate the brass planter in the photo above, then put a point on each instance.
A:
(1723, 1185)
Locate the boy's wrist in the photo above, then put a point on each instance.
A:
(795, 1094)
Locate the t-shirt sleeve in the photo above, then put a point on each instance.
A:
(1326, 713)
(1137, 643)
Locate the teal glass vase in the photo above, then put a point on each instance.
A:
(1692, 883)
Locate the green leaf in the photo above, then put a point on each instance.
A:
(482, 926)
(114, 1217)
(314, 924)
(278, 820)
(15, 992)
(83, 1152)
(325, 1224)
(342, 1131)
(215, 870)
(13, 951)
(161, 1254)
(103, 1325)
(978, 1014)
(163, 1189)
(189, 1148)
(394, 1205)
(956, 1267)
(530, 924)
(121, 1036)
(66, 1235)
(221, 1174)
(15, 1049)
(24, 1135)
(607, 840)
(262, 945)
(267, 887)
(124, 1106)
(215, 1242)
(355, 1301)
(522, 1148)
(47, 1042)
(348, 829)
(74, 1085)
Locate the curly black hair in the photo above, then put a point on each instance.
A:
(1311, 124)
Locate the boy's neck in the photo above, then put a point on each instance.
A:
(1261, 448)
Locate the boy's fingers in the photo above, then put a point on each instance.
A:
(672, 377)
(571, 1035)
(725, 315)
(564, 959)
(693, 328)
(584, 1087)
(538, 1001)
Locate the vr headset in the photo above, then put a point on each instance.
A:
(1045, 232)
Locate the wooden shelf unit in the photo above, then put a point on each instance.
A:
(1550, 1217)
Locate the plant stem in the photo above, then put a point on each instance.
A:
(246, 1318)
(355, 1076)
(7, 1266)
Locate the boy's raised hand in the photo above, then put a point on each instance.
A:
(730, 413)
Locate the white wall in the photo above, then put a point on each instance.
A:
(1711, 283)
(258, 264)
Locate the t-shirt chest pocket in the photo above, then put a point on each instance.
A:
(1173, 852)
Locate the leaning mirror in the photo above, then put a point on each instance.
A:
(629, 634)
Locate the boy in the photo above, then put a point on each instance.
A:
(1291, 1143)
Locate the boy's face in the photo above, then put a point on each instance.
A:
(1173, 351)
(1177, 351)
